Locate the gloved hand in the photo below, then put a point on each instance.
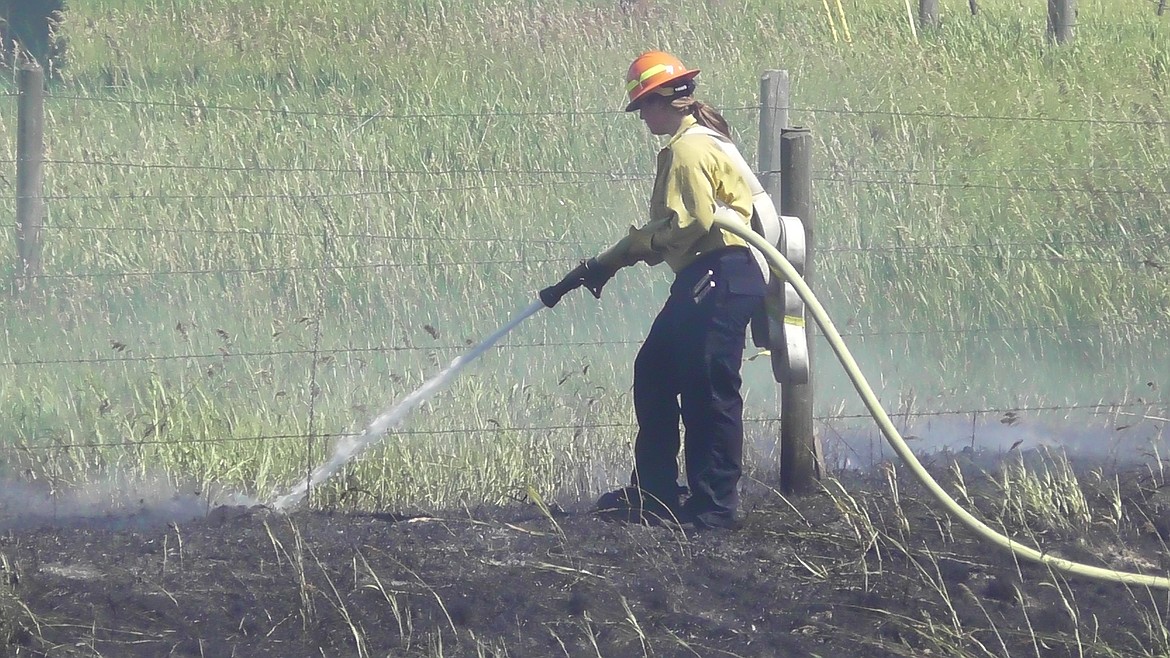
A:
(591, 274)
(597, 275)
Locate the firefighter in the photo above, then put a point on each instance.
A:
(688, 367)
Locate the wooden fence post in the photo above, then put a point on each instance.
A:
(974, 5)
(1161, 7)
(774, 93)
(30, 159)
(786, 174)
(927, 13)
(800, 455)
(774, 99)
(773, 119)
(1062, 17)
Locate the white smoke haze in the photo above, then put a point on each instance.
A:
(112, 502)
(1115, 439)
(1108, 440)
(133, 502)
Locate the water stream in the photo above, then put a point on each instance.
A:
(350, 447)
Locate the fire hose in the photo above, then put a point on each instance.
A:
(782, 267)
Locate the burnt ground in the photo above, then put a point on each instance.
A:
(860, 568)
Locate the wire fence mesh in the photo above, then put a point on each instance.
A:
(1142, 255)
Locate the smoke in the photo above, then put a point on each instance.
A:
(1105, 440)
(115, 503)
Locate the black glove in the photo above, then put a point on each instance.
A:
(597, 275)
(591, 274)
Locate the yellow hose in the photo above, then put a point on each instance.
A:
(785, 269)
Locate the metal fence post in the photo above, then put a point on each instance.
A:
(30, 159)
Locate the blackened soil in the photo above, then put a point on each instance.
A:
(856, 569)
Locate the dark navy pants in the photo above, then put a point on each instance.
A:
(688, 368)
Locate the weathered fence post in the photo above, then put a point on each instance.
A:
(774, 92)
(800, 456)
(1062, 17)
(30, 159)
(1161, 7)
(774, 99)
(786, 174)
(927, 13)
(974, 5)
(773, 119)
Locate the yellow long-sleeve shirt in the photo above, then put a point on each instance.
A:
(695, 177)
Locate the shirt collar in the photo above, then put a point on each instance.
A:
(688, 122)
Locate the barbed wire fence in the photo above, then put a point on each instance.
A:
(1141, 246)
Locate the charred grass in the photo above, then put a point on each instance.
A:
(866, 566)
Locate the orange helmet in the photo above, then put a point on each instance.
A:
(656, 71)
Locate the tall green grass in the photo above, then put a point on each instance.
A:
(226, 175)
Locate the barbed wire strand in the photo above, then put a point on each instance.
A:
(1144, 264)
(249, 168)
(82, 276)
(226, 353)
(467, 171)
(577, 427)
(163, 197)
(997, 187)
(1134, 239)
(321, 194)
(365, 116)
(369, 115)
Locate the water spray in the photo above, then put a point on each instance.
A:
(350, 447)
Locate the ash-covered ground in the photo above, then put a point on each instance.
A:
(866, 566)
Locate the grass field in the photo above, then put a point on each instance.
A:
(267, 221)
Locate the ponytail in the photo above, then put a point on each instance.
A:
(704, 114)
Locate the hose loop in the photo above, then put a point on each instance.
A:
(783, 268)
